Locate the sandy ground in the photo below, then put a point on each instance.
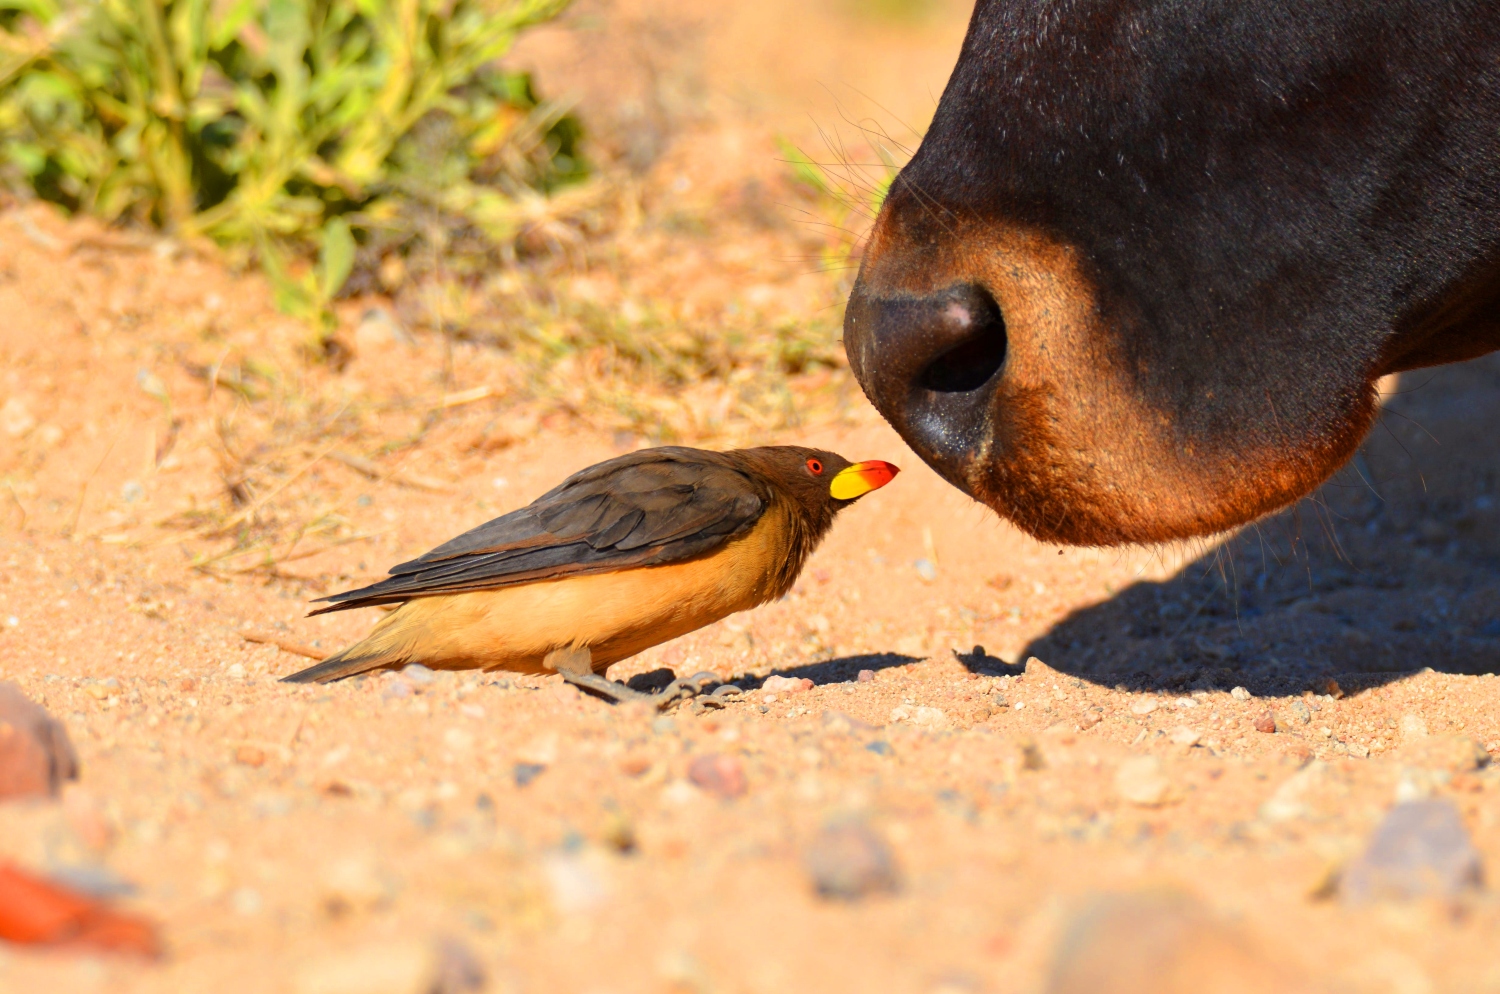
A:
(286, 837)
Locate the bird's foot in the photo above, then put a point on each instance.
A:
(700, 692)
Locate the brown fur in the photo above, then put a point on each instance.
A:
(1087, 458)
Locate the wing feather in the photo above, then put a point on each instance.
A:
(648, 507)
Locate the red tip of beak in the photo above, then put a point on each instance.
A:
(861, 478)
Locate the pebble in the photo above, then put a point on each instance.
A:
(353, 885)
(401, 966)
(1183, 736)
(848, 861)
(932, 719)
(777, 684)
(524, 773)
(1140, 781)
(417, 673)
(1421, 849)
(248, 755)
(925, 569)
(1290, 799)
(1240, 694)
(1413, 727)
(1144, 707)
(1159, 942)
(880, 748)
(1451, 753)
(1265, 722)
(1185, 702)
(1301, 712)
(865, 676)
(36, 755)
(720, 775)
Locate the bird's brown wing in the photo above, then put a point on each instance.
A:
(648, 507)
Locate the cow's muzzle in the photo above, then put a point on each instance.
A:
(930, 364)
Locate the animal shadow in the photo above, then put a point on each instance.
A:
(1391, 567)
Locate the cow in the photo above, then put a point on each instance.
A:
(1140, 279)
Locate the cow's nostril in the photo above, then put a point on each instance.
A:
(971, 363)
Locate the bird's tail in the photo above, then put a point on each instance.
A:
(382, 649)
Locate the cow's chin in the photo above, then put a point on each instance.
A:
(1098, 483)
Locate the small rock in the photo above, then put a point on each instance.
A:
(1160, 943)
(36, 755)
(865, 676)
(880, 748)
(1089, 719)
(417, 673)
(1240, 694)
(1185, 702)
(1421, 849)
(1183, 736)
(1265, 722)
(1450, 753)
(619, 832)
(1301, 712)
(848, 861)
(1413, 727)
(524, 773)
(1032, 757)
(635, 765)
(720, 775)
(352, 885)
(840, 723)
(396, 688)
(401, 966)
(249, 755)
(1141, 781)
(1290, 799)
(15, 419)
(932, 719)
(925, 569)
(577, 881)
(1144, 707)
(777, 684)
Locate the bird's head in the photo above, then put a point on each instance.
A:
(823, 483)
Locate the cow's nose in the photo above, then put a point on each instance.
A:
(930, 364)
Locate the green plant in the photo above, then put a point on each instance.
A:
(279, 124)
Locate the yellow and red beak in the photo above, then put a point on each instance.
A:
(859, 479)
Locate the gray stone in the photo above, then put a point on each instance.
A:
(1421, 849)
(849, 861)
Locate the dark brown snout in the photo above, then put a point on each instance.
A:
(930, 365)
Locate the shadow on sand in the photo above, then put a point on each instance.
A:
(1391, 567)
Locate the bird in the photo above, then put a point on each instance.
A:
(621, 556)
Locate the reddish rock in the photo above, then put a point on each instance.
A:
(1265, 722)
(718, 774)
(35, 754)
(777, 684)
(36, 911)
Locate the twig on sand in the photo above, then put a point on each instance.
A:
(285, 645)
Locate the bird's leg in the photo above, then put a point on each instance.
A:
(576, 666)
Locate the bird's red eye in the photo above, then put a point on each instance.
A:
(815, 466)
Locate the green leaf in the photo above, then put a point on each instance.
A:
(336, 259)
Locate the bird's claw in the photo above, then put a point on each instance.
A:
(692, 690)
